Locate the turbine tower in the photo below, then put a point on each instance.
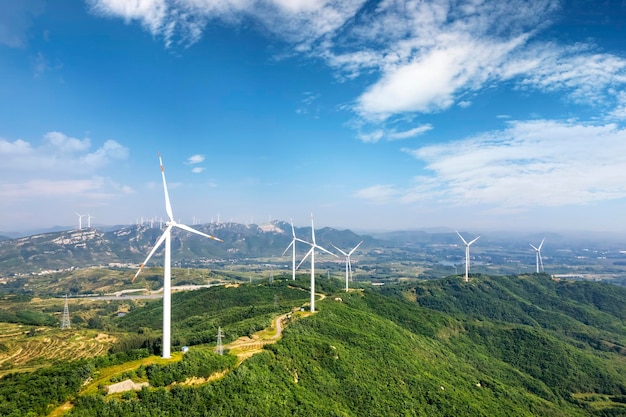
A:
(167, 268)
(348, 263)
(293, 252)
(538, 259)
(467, 256)
(311, 252)
(65, 320)
(80, 220)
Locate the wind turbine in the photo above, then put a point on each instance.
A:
(293, 251)
(167, 273)
(311, 252)
(538, 259)
(89, 217)
(467, 257)
(80, 220)
(348, 263)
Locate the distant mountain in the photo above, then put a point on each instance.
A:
(131, 244)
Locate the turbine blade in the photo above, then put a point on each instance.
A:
(312, 230)
(532, 246)
(154, 249)
(286, 249)
(327, 251)
(355, 248)
(541, 244)
(293, 231)
(464, 241)
(304, 241)
(189, 229)
(540, 261)
(305, 256)
(342, 252)
(473, 241)
(168, 206)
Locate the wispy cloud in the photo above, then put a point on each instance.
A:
(416, 131)
(197, 170)
(393, 134)
(195, 159)
(183, 21)
(539, 163)
(16, 18)
(379, 193)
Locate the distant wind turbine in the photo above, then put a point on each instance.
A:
(167, 274)
(80, 220)
(348, 263)
(292, 245)
(311, 252)
(538, 259)
(467, 255)
(89, 217)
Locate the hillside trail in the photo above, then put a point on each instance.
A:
(244, 348)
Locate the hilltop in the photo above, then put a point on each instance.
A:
(496, 346)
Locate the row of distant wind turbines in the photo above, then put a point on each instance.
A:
(166, 238)
(80, 220)
(538, 259)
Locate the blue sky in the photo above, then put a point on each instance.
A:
(378, 115)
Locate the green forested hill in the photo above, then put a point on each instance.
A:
(496, 346)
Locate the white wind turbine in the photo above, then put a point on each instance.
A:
(348, 263)
(89, 217)
(538, 259)
(311, 252)
(80, 220)
(293, 252)
(467, 256)
(167, 274)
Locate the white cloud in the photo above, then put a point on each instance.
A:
(151, 13)
(416, 131)
(58, 153)
(59, 168)
(89, 188)
(378, 134)
(195, 159)
(197, 170)
(65, 144)
(371, 137)
(298, 21)
(585, 76)
(424, 56)
(540, 163)
(377, 193)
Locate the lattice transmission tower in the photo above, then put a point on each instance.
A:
(65, 320)
(219, 349)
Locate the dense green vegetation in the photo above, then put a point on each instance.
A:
(196, 315)
(195, 363)
(496, 346)
(35, 393)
